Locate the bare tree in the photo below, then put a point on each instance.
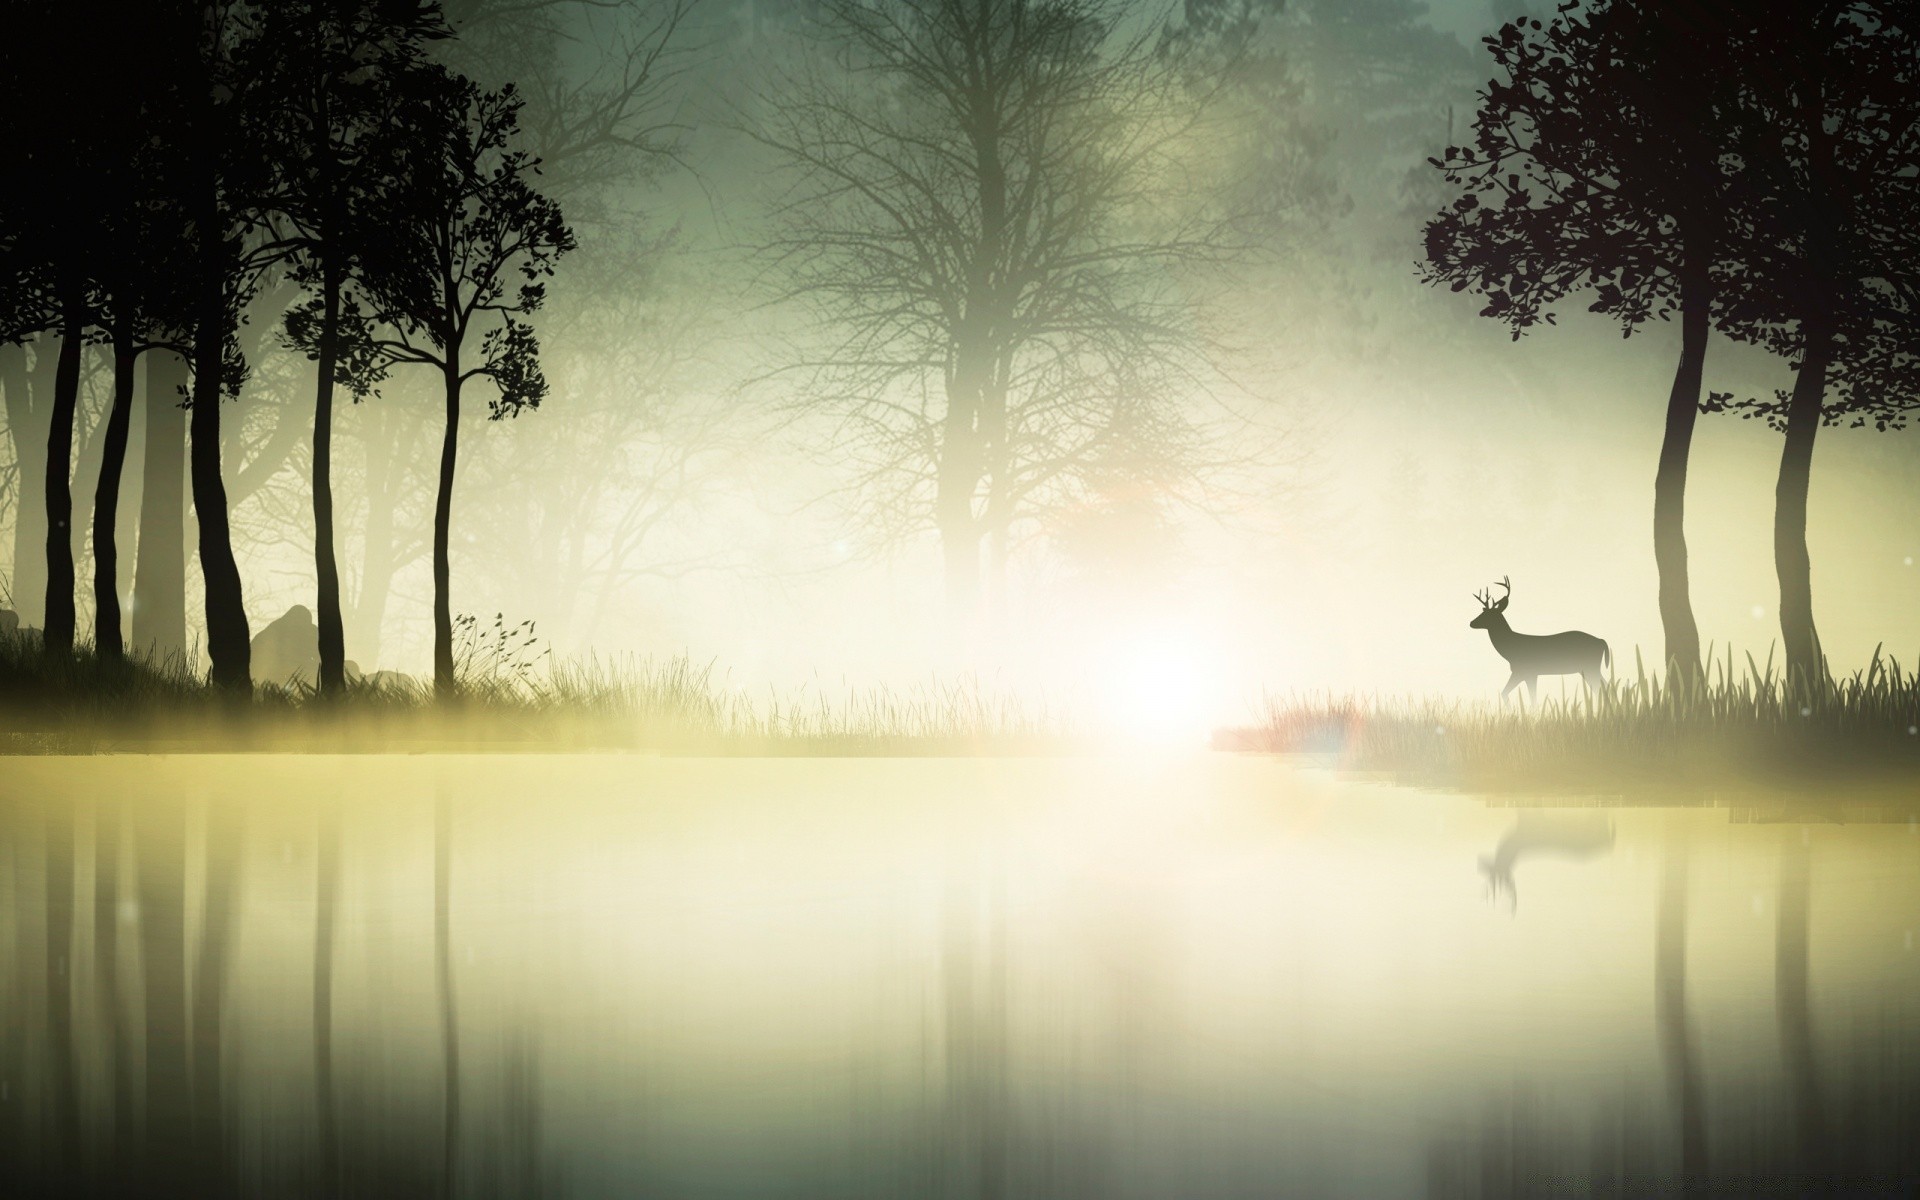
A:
(985, 216)
(594, 77)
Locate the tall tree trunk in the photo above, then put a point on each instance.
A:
(976, 408)
(28, 397)
(106, 500)
(126, 518)
(996, 603)
(956, 478)
(960, 547)
(1806, 668)
(1670, 486)
(333, 646)
(228, 644)
(376, 574)
(160, 563)
(384, 481)
(443, 681)
(57, 637)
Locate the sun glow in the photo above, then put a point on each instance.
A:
(1161, 688)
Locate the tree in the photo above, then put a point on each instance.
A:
(160, 564)
(628, 454)
(28, 383)
(137, 254)
(50, 210)
(594, 78)
(471, 243)
(342, 68)
(215, 94)
(1833, 140)
(974, 221)
(1596, 167)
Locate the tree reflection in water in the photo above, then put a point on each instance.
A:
(140, 1105)
(444, 993)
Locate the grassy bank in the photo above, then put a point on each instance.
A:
(82, 704)
(1745, 727)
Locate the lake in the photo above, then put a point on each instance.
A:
(1185, 976)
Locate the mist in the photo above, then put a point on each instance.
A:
(1368, 452)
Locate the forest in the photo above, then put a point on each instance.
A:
(883, 598)
(1030, 321)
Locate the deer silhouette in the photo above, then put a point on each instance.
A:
(1532, 655)
(1538, 834)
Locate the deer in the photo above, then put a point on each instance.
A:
(1540, 834)
(1532, 655)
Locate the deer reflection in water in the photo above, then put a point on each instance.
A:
(1543, 834)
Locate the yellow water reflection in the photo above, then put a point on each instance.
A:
(1189, 976)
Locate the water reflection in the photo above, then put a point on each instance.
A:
(1792, 997)
(1678, 1046)
(1065, 978)
(1541, 835)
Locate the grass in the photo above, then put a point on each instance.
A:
(512, 696)
(1744, 726)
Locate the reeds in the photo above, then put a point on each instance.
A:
(512, 695)
(1743, 721)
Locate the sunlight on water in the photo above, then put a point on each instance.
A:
(1184, 976)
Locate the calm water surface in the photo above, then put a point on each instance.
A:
(1155, 977)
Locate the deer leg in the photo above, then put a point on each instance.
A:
(1533, 689)
(1511, 684)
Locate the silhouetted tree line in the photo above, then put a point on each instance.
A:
(994, 212)
(1747, 168)
(309, 142)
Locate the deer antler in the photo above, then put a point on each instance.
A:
(1485, 599)
(1508, 586)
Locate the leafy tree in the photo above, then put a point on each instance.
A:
(973, 218)
(216, 92)
(1771, 195)
(50, 212)
(139, 243)
(95, 237)
(1596, 168)
(470, 244)
(602, 85)
(1832, 139)
(342, 68)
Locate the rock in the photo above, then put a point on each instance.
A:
(288, 651)
(386, 680)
